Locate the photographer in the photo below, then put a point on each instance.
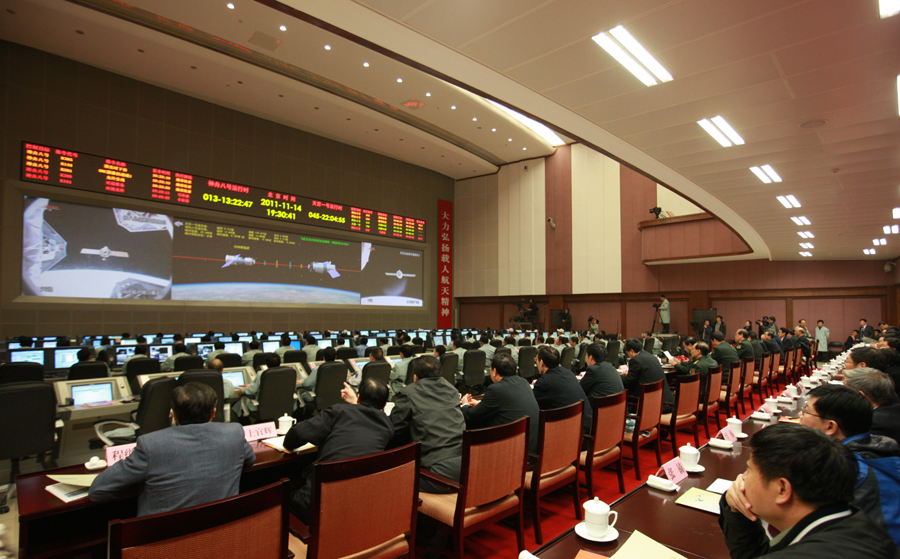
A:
(767, 323)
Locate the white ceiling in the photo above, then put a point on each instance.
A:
(767, 66)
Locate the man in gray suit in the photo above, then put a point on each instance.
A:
(195, 463)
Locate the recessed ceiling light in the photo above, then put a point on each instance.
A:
(786, 202)
(806, 254)
(877, 242)
(474, 118)
(728, 130)
(230, 6)
(453, 107)
(399, 80)
(538, 128)
(792, 200)
(427, 94)
(625, 39)
(523, 149)
(802, 220)
(365, 64)
(283, 28)
(771, 172)
(509, 139)
(869, 251)
(327, 47)
(493, 129)
(809, 235)
(895, 229)
(896, 213)
(761, 175)
(888, 8)
(714, 132)
(797, 220)
(802, 234)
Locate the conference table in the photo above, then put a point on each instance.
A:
(48, 527)
(690, 532)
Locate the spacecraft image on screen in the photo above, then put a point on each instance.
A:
(391, 277)
(75, 250)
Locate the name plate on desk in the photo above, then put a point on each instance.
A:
(727, 434)
(260, 431)
(674, 470)
(119, 452)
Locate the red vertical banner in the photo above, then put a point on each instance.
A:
(445, 264)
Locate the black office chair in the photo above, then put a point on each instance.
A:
(140, 366)
(473, 370)
(670, 344)
(88, 370)
(649, 342)
(188, 362)
(468, 346)
(527, 362)
(230, 359)
(497, 343)
(368, 351)
(276, 394)
(612, 352)
(393, 350)
(152, 413)
(568, 355)
(260, 359)
(376, 369)
(449, 362)
(330, 379)
(502, 350)
(213, 379)
(21, 372)
(418, 349)
(27, 425)
(346, 353)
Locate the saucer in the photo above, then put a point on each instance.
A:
(695, 470)
(742, 435)
(611, 535)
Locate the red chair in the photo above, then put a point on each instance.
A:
(728, 397)
(604, 444)
(761, 380)
(748, 366)
(647, 419)
(710, 398)
(687, 405)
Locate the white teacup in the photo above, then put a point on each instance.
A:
(285, 422)
(772, 403)
(792, 390)
(598, 519)
(735, 425)
(690, 456)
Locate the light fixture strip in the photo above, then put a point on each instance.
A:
(761, 175)
(793, 200)
(888, 8)
(638, 51)
(714, 132)
(797, 220)
(727, 130)
(784, 201)
(771, 172)
(623, 58)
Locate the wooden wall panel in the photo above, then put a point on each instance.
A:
(558, 205)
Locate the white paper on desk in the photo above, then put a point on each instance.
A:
(83, 480)
(720, 486)
(669, 355)
(278, 444)
(640, 546)
(67, 493)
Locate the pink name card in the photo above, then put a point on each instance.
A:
(674, 470)
(119, 452)
(765, 409)
(260, 431)
(727, 434)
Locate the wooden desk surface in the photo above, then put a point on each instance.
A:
(690, 532)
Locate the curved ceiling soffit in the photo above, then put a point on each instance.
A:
(381, 34)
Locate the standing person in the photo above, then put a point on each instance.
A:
(719, 326)
(822, 335)
(664, 316)
(802, 324)
(705, 332)
(566, 318)
(852, 339)
(865, 331)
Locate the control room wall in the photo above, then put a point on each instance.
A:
(59, 102)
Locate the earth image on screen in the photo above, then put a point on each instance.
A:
(263, 293)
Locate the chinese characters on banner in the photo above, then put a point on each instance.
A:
(445, 264)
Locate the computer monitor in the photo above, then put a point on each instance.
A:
(192, 340)
(128, 341)
(325, 342)
(48, 343)
(203, 350)
(236, 378)
(247, 339)
(63, 358)
(270, 347)
(394, 360)
(123, 353)
(363, 332)
(235, 347)
(371, 342)
(90, 393)
(160, 352)
(296, 344)
(96, 342)
(13, 345)
(167, 340)
(27, 355)
(438, 340)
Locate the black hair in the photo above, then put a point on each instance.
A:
(25, 341)
(373, 392)
(285, 340)
(254, 344)
(216, 365)
(819, 470)
(633, 344)
(329, 354)
(744, 333)
(548, 355)
(891, 356)
(406, 350)
(219, 345)
(690, 340)
(509, 340)
(440, 349)
(141, 340)
(702, 347)
(180, 348)
(718, 336)
(141, 349)
(870, 356)
(377, 353)
(193, 403)
(272, 360)
(504, 364)
(597, 352)
(84, 354)
(845, 406)
(426, 366)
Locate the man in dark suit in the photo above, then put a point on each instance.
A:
(787, 339)
(865, 331)
(878, 389)
(724, 354)
(508, 399)
(758, 348)
(600, 378)
(769, 343)
(801, 341)
(557, 387)
(194, 463)
(644, 368)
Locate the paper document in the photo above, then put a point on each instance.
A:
(278, 444)
(699, 499)
(388, 407)
(669, 355)
(67, 493)
(720, 486)
(640, 546)
(84, 480)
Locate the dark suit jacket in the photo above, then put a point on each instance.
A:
(867, 332)
(179, 467)
(644, 368)
(787, 342)
(886, 421)
(725, 355)
(803, 343)
(719, 327)
(772, 346)
(428, 411)
(601, 379)
(558, 388)
(758, 350)
(504, 402)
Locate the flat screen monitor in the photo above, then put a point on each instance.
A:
(27, 355)
(203, 350)
(96, 342)
(167, 340)
(13, 345)
(270, 347)
(235, 347)
(192, 340)
(160, 352)
(296, 344)
(64, 358)
(90, 393)
(48, 343)
(372, 342)
(438, 340)
(236, 378)
(363, 332)
(247, 339)
(123, 353)
(325, 342)
(395, 360)
(242, 333)
(128, 341)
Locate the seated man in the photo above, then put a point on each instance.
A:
(802, 341)
(844, 415)
(169, 364)
(140, 351)
(878, 389)
(510, 343)
(700, 363)
(218, 349)
(508, 399)
(285, 346)
(644, 368)
(724, 354)
(743, 346)
(399, 373)
(342, 431)
(428, 411)
(249, 393)
(769, 343)
(487, 348)
(557, 387)
(309, 383)
(600, 378)
(800, 482)
(196, 462)
(461, 351)
(247, 358)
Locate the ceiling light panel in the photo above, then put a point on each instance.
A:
(784, 201)
(638, 51)
(896, 213)
(548, 135)
(888, 8)
(614, 49)
(793, 201)
(771, 172)
(797, 220)
(761, 175)
(728, 130)
(715, 132)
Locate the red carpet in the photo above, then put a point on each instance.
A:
(557, 511)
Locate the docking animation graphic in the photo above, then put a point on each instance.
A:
(237, 260)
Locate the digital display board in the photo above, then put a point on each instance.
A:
(82, 171)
